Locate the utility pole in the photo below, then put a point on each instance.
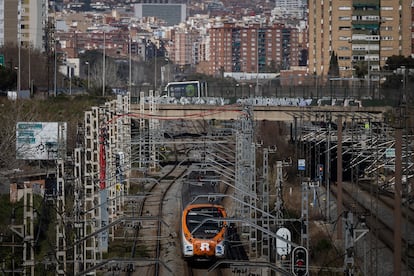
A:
(103, 66)
(327, 169)
(304, 234)
(398, 201)
(352, 235)
(55, 68)
(25, 231)
(265, 201)
(19, 46)
(60, 227)
(130, 62)
(155, 67)
(339, 177)
(349, 243)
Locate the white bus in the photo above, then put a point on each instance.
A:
(185, 89)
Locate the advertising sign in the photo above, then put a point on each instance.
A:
(40, 141)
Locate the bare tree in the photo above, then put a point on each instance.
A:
(31, 60)
(138, 73)
(11, 113)
(61, 109)
(111, 76)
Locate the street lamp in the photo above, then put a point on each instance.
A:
(155, 68)
(70, 80)
(30, 77)
(130, 61)
(369, 66)
(87, 63)
(70, 66)
(19, 57)
(235, 89)
(55, 72)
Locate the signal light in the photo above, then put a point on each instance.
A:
(300, 261)
(320, 170)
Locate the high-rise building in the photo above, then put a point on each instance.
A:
(172, 14)
(295, 8)
(8, 21)
(186, 47)
(358, 32)
(33, 22)
(253, 48)
(23, 21)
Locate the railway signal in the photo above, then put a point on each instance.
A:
(320, 170)
(300, 261)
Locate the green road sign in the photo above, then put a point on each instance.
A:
(2, 60)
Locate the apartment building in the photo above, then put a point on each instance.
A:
(186, 47)
(358, 31)
(252, 48)
(24, 21)
(8, 21)
(290, 8)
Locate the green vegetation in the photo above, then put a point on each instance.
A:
(8, 78)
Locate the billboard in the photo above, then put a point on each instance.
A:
(40, 141)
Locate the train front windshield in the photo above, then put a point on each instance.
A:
(205, 229)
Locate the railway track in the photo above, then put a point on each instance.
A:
(158, 239)
(149, 235)
(378, 211)
(202, 272)
(387, 198)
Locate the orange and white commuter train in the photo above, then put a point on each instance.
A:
(203, 226)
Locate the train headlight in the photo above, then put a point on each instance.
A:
(188, 250)
(219, 250)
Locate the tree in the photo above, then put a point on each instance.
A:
(361, 69)
(8, 79)
(395, 62)
(393, 81)
(28, 56)
(270, 68)
(333, 71)
(11, 113)
(111, 76)
(50, 110)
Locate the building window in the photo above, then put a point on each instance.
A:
(386, 28)
(387, 37)
(358, 58)
(343, 48)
